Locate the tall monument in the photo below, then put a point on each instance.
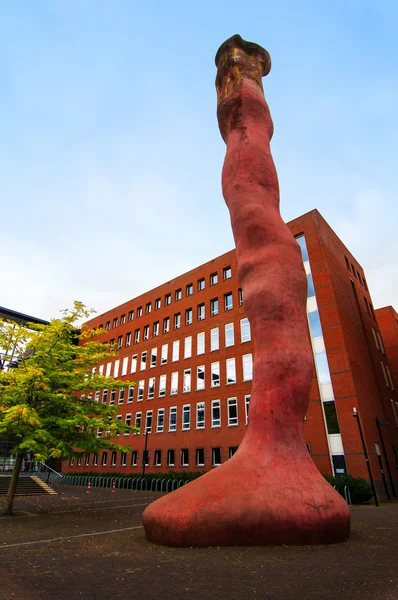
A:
(270, 491)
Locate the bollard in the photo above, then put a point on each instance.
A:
(113, 486)
(89, 487)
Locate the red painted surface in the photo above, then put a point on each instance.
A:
(270, 492)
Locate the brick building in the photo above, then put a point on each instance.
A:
(387, 319)
(187, 345)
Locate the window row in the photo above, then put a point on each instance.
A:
(154, 330)
(356, 273)
(156, 457)
(189, 288)
(192, 379)
(190, 416)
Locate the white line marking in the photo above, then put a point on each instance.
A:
(58, 512)
(70, 537)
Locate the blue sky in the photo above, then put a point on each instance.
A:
(111, 156)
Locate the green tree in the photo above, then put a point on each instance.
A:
(46, 392)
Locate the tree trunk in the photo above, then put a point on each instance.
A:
(13, 485)
(270, 492)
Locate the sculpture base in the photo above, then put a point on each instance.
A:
(286, 502)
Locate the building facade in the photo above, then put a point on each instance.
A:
(188, 347)
(387, 319)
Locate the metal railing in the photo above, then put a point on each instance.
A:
(47, 474)
(125, 483)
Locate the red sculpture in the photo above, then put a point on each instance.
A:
(270, 491)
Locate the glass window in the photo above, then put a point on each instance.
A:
(176, 351)
(201, 312)
(104, 459)
(322, 368)
(116, 368)
(303, 246)
(115, 322)
(131, 315)
(247, 363)
(128, 421)
(163, 355)
(247, 404)
(136, 336)
(157, 460)
(177, 320)
(184, 457)
(200, 415)
(154, 355)
(214, 307)
(160, 421)
(201, 284)
(186, 416)
(310, 286)
(228, 301)
(134, 458)
(113, 459)
(121, 396)
(245, 335)
(231, 370)
(148, 421)
(332, 422)
(231, 451)
(112, 398)
(188, 316)
(139, 311)
(189, 289)
(167, 299)
(240, 296)
(213, 279)
(229, 335)
(166, 324)
(133, 368)
(178, 294)
(130, 396)
(157, 303)
(200, 343)
(151, 388)
(215, 374)
(173, 418)
(215, 457)
(200, 379)
(227, 273)
(104, 396)
(155, 330)
(214, 339)
(137, 425)
(170, 458)
(188, 347)
(174, 384)
(315, 324)
(107, 326)
(148, 308)
(215, 413)
(232, 411)
(200, 457)
(146, 332)
(162, 386)
(187, 380)
(128, 339)
(119, 342)
(140, 395)
(143, 361)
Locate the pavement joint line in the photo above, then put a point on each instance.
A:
(58, 512)
(70, 537)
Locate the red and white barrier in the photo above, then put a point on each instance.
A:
(89, 487)
(113, 485)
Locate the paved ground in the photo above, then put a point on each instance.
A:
(79, 545)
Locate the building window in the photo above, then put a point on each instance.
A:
(229, 335)
(189, 289)
(86, 460)
(162, 386)
(151, 388)
(174, 384)
(394, 406)
(95, 459)
(146, 332)
(121, 396)
(157, 460)
(228, 302)
(115, 321)
(134, 458)
(116, 368)
(170, 458)
(380, 342)
(128, 339)
(148, 421)
(213, 278)
(201, 284)
(247, 362)
(154, 356)
(112, 399)
(166, 324)
(231, 370)
(227, 273)
(136, 336)
(138, 417)
(139, 311)
(131, 315)
(143, 360)
(125, 363)
(231, 451)
(186, 416)
(247, 404)
(215, 374)
(167, 299)
(104, 459)
(163, 354)
(104, 396)
(113, 459)
(232, 411)
(215, 413)
(188, 316)
(119, 342)
(107, 326)
(389, 377)
(240, 296)
(130, 396)
(200, 415)
(200, 343)
(122, 319)
(157, 303)
(187, 380)
(332, 422)
(123, 459)
(175, 356)
(155, 329)
(160, 421)
(214, 339)
(200, 378)
(200, 457)
(177, 320)
(215, 457)
(188, 347)
(245, 335)
(97, 395)
(178, 294)
(383, 368)
(201, 312)
(128, 421)
(184, 457)
(133, 367)
(173, 418)
(112, 343)
(214, 307)
(140, 395)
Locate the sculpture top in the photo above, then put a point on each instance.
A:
(236, 58)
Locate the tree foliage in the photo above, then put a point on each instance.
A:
(47, 394)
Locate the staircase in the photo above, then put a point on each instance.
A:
(26, 486)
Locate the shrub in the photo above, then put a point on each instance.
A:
(360, 489)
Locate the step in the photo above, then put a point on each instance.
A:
(26, 486)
